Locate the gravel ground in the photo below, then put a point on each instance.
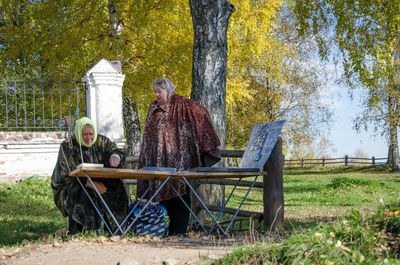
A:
(117, 251)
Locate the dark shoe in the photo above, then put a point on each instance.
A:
(178, 235)
(74, 227)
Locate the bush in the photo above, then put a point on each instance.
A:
(388, 217)
(343, 182)
(353, 240)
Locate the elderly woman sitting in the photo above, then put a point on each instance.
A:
(86, 146)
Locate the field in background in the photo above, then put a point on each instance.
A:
(332, 193)
(315, 194)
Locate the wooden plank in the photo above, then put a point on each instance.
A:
(273, 188)
(232, 211)
(131, 159)
(231, 182)
(130, 181)
(216, 175)
(232, 153)
(124, 173)
(224, 153)
(120, 173)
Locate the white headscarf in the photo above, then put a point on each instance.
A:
(166, 84)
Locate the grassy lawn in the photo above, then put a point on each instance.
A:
(333, 216)
(312, 195)
(320, 194)
(27, 212)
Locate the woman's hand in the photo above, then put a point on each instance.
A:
(99, 186)
(114, 160)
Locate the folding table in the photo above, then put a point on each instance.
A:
(261, 143)
(164, 176)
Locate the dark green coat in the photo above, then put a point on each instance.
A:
(68, 195)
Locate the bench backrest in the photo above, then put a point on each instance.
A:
(261, 143)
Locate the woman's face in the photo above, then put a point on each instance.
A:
(88, 135)
(161, 94)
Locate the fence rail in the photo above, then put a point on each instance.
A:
(37, 105)
(346, 161)
(231, 158)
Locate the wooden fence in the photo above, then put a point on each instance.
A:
(231, 158)
(346, 161)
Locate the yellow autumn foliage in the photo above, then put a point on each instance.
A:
(62, 39)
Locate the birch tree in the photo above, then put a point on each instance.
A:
(210, 53)
(367, 33)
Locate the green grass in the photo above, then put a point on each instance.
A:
(27, 212)
(333, 216)
(352, 240)
(317, 200)
(321, 194)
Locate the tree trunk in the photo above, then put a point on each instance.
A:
(117, 45)
(129, 108)
(210, 22)
(115, 25)
(132, 128)
(393, 153)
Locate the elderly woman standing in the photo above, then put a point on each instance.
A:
(86, 146)
(179, 134)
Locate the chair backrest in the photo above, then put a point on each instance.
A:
(261, 143)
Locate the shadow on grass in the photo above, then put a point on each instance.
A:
(290, 225)
(27, 212)
(15, 232)
(296, 224)
(302, 189)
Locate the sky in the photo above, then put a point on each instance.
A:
(345, 139)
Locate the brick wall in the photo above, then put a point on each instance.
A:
(26, 154)
(29, 137)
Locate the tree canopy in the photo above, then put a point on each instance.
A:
(367, 34)
(266, 77)
(275, 79)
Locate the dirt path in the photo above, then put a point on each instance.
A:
(115, 252)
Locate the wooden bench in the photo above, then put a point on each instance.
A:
(272, 186)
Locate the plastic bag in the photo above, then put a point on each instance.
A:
(152, 221)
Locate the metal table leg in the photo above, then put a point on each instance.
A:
(104, 203)
(241, 204)
(190, 209)
(148, 203)
(133, 209)
(221, 212)
(94, 205)
(204, 205)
